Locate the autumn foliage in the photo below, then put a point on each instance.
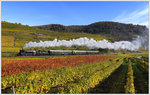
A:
(10, 67)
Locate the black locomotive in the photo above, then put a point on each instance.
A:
(55, 52)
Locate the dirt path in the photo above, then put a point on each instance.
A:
(114, 83)
(140, 79)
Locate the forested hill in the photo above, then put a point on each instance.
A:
(119, 31)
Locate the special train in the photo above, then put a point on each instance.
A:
(55, 52)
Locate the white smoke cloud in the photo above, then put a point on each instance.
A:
(91, 43)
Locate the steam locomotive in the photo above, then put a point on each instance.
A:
(55, 52)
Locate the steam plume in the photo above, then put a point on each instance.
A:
(134, 45)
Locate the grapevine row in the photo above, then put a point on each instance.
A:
(129, 87)
(42, 81)
(84, 84)
(10, 67)
(143, 63)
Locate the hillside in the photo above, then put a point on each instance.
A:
(118, 31)
(14, 36)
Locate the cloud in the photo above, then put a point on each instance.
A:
(136, 17)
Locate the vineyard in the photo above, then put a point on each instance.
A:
(75, 74)
(20, 66)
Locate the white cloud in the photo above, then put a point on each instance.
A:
(136, 17)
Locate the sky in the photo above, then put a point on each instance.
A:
(35, 13)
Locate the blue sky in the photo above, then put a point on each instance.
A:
(74, 13)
